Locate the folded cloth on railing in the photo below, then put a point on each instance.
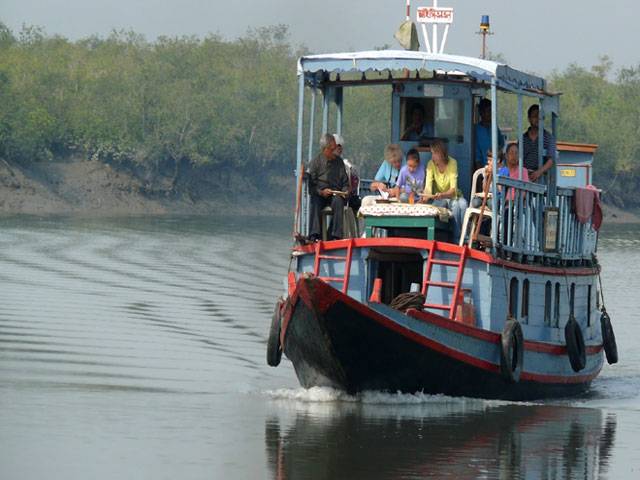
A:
(404, 210)
(586, 206)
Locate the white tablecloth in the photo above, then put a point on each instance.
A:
(404, 210)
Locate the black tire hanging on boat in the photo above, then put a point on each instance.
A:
(511, 351)
(608, 338)
(575, 345)
(274, 349)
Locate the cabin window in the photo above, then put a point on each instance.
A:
(589, 306)
(411, 109)
(449, 115)
(525, 301)
(572, 299)
(556, 308)
(513, 298)
(547, 304)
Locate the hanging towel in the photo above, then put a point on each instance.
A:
(586, 206)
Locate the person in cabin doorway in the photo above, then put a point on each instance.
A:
(483, 134)
(411, 179)
(441, 187)
(419, 128)
(328, 186)
(388, 173)
(530, 147)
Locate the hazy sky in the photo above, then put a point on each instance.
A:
(539, 36)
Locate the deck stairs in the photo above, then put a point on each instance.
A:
(320, 255)
(458, 263)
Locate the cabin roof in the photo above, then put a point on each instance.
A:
(389, 60)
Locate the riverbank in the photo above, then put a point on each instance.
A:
(90, 187)
(94, 188)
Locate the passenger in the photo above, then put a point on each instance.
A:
(483, 134)
(354, 200)
(512, 169)
(418, 128)
(387, 176)
(328, 186)
(530, 147)
(441, 187)
(411, 178)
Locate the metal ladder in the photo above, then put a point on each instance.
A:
(427, 282)
(347, 266)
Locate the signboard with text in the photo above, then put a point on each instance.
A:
(435, 15)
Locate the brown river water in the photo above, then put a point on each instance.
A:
(135, 349)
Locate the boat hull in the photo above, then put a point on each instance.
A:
(335, 341)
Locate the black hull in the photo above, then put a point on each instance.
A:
(344, 348)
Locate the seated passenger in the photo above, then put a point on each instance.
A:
(418, 128)
(354, 200)
(441, 187)
(411, 178)
(328, 186)
(512, 169)
(387, 175)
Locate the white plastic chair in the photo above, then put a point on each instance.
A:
(475, 211)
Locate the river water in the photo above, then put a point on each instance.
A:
(136, 349)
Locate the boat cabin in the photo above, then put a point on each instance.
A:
(534, 223)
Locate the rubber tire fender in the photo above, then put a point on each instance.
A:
(575, 345)
(274, 349)
(608, 338)
(511, 351)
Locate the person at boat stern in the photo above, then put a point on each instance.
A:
(441, 187)
(328, 186)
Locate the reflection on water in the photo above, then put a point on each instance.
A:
(135, 348)
(477, 440)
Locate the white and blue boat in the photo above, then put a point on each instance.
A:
(515, 314)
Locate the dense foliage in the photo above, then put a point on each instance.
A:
(216, 104)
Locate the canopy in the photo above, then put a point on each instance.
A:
(381, 60)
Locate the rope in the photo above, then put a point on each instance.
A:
(405, 301)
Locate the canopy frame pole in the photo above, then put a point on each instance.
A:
(326, 92)
(299, 141)
(519, 143)
(339, 99)
(312, 117)
(494, 150)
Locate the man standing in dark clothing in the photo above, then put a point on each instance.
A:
(327, 176)
(530, 147)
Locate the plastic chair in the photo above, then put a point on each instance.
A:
(473, 213)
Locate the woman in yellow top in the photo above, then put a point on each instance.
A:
(441, 185)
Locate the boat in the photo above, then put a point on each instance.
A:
(515, 313)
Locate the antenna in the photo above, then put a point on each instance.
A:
(435, 15)
(485, 29)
